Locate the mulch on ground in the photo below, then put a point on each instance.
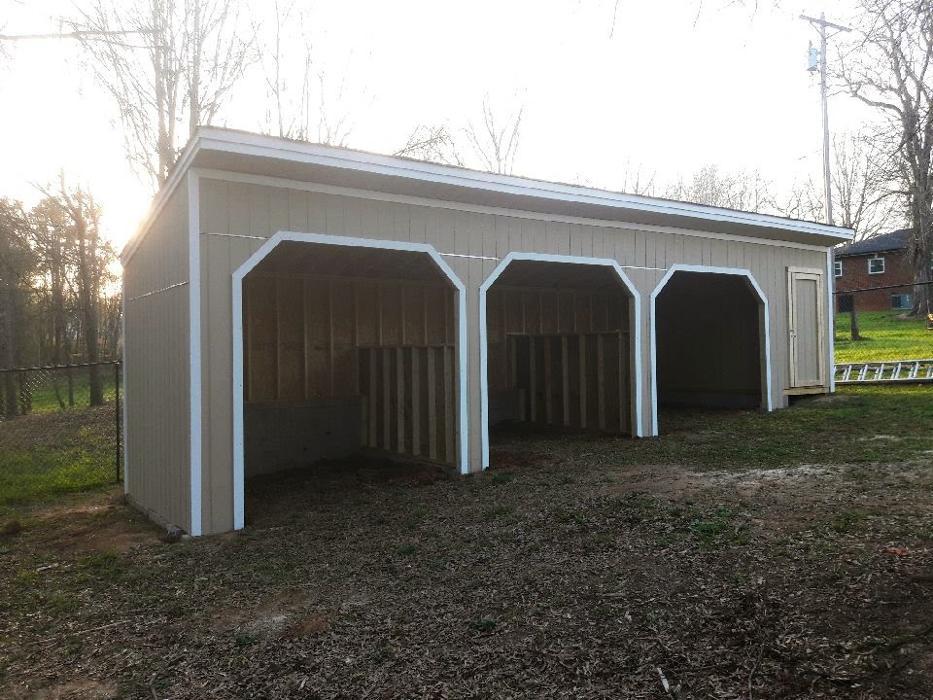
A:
(560, 572)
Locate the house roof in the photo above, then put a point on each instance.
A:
(217, 149)
(885, 242)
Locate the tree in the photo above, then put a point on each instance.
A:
(495, 140)
(887, 67)
(300, 104)
(492, 146)
(432, 143)
(744, 190)
(66, 229)
(189, 55)
(16, 266)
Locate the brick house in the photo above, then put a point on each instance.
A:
(879, 261)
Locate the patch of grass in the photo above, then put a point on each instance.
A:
(407, 550)
(847, 521)
(886, 336)
(52, 394)
(719, 528)
(106, 565)
(243, 639)
(834, 429)
(483, 625)
(500, 478)
(44, 455)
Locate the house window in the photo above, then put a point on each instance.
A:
(875, 266)
(837, 268)
(901, 301)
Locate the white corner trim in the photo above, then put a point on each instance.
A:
(123, 428)
(764, 316)
(261, 253)
(831, 322)
(194, 330)
(635, 321)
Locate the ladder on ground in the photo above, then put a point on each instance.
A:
(887, 372)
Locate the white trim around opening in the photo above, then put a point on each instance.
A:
(240, 273)
(764, 321)
(635, 321)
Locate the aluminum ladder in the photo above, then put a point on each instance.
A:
(885, 372)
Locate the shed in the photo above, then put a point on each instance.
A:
(287, 302)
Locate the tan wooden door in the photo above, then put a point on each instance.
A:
(807, 325)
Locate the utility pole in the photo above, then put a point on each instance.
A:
(821, 24)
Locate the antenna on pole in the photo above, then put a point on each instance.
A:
(817, 61)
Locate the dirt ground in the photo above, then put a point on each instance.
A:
(561, 572)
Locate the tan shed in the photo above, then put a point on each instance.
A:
(288, 302)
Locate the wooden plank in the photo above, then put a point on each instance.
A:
(548, 387)
(400, 399)
(416, 401)
(565, 375)
(448, 406)
(532, 381)
(623, 383)
(583, 382)
(430, 357)
(386, 402)
(373, 397)
(600, 381)
(306, 338)
(330, 335)
(277, 375)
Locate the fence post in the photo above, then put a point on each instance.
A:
(116, 402)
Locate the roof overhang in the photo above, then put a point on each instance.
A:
(253, 154)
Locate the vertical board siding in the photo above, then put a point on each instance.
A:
(253, 210)
(156, 352)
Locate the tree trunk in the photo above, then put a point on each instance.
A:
(7, 311)
(853, 322)
(89, 302)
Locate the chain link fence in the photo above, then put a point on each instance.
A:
(59, 429)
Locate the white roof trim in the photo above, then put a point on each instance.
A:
(223, 140)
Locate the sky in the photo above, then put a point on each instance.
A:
(665, 89)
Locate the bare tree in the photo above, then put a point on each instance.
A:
(432, 143)
(745, 190)
(301, 103)
(862, 194)
(637, 180)
(887, 67)
(188, 56)
(495, 141)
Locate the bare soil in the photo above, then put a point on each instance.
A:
(561, 572)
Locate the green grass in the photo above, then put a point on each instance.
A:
(885, 336)
(46, 454)
(858, 425)
(53, 388)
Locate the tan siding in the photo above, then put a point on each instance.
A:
(156, 352)
(251, 210)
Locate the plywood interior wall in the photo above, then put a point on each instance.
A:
(560, 357)
(708, 345)
(315, 338)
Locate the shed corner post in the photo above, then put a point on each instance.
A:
(194, 332)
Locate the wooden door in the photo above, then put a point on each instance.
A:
(807, 327)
